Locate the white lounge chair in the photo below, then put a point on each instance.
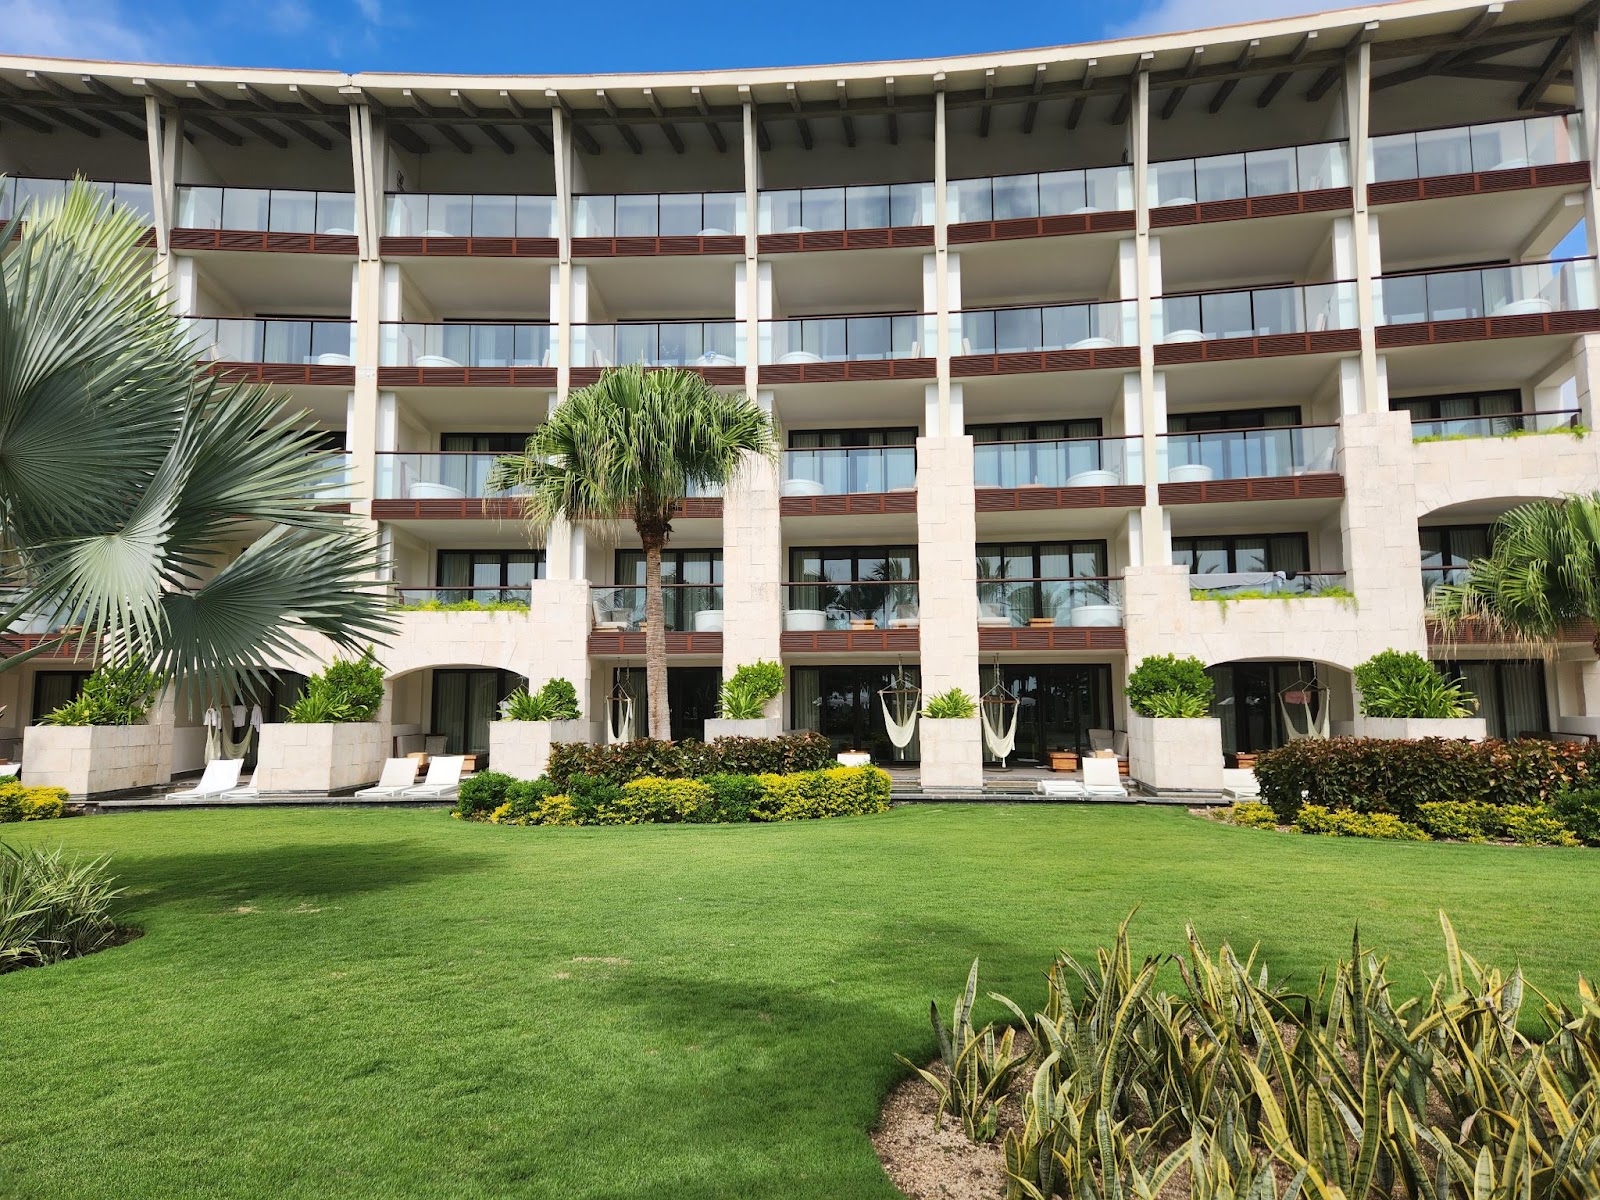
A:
(1065, 789)
(443, 781)
(398, 775)
(221, 775)
(9, 770)
(1101, 779)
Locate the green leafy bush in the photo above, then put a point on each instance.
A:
(1407, 685)
(1579, 810)
(1251, 815)
(645, 757)
(119, 695)
(482, 793)
(557, 700)
(732, 797)
(1313, 818)
(747, 692)
(347, 689)
(1168, 675)
(52, 907)
(1459, 820)
(835, 792)
(953, 705)
(1177, 704)
(19, 803)
(656, 801)
(1533, 825)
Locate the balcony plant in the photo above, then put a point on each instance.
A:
(531, 722)
(634, 446)
(1173, 741)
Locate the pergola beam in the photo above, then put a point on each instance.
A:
(987, 111)
(1534, 92)
(536, 131)
(894, 118)
(1075, 109)
(1225, 89)
(1031, 112)
(1175, 96)
(800, 122)
(668, 129)
(626, 130)
(713, 130)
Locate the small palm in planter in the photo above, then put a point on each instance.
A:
(952, 743)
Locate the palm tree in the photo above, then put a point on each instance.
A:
(129, 482)
(633, 446)
(1541, 574)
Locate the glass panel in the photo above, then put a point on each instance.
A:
(244, 208)
(494, 216)
(293, 212)
(636, 216)
(200, 208)
(680, 215)
(593, 216)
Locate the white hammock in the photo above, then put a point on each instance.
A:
(220, 743)
(900, 732)
(1000, 740)
(619, 721)
(1299, 723)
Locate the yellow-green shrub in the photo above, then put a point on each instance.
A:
(834, 792)
(19, 803)
(1252, 814)
(1313, 818)
(653, 800)
(545, 810)
(1476, 821)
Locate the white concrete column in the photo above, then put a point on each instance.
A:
(162, 128)
(561, 274)
(942, 306)
(947, 593)
(752, 564)
(1366, 261)
(1586, 92)
(748, 299)
(1378, 528)
(575, 335)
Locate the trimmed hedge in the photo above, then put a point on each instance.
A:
(20, 803)
(1398, 777)
(1313, 818)
(645, 758)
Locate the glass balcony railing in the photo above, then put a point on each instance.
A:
(1228, 585)
(443, 215)
(1255, 312)
(1093, 326)
(687, 607)
(1069, 462)
(851, 470)
(447, 475)
(463, 598)
(659, 344)
(1434, 577)
(665, 214)
(1466, 149)
(1523, 289)
(810, 607)
(270, 210)
(18, 192)
(1494, 425)
(1253, 173)
(1079, 601)
(336, 483)
(1045, 194)
(1248, 453)
(863, 206)
(323, 343)
(847, 339)
(410, 344)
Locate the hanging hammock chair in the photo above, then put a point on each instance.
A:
(1304, 705)
(997, 711)
(619, 713)
(219, 734)
(901, 701)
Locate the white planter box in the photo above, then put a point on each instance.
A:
(708, 620)
(1473, 729)
(1175, 753)
(1093, 615)
(321, 757)
(952, 752)
(88, 760)
(756, 727)
(522, 748)
(805, 620)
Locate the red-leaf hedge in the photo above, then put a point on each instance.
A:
(1374, 775)
(644, 758)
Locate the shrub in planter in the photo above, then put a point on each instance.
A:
(346, 690)
(120, 695)
(1182, 683)
(1313, 818)
(836, 792)
(954, 705)
(482, 793)
(557, 700)
(19, 803)
(1579, 810)
(745, 694)
(1407, 685)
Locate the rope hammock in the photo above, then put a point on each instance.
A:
(901, 721)
(219, 735)
(619, 714)
(997, 711)
(1305, 709)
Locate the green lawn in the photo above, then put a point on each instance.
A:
(391, 1003)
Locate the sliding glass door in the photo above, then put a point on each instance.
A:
(465, 701)
(1058, 703)
(842, 703)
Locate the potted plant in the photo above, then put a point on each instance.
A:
(743, 703)
(952, 741)
(1403, 695)
(1174, 744)
(530, 723)
(333, 738)
(101, 741)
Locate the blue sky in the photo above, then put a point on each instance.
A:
(619, 35)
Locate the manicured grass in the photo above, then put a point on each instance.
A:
(390, 1003)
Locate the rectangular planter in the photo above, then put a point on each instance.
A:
(521, 749)
(89, 760)
(1473, 729)
(1182, 754)
(756, 727)
(321, 757)
(952, 753)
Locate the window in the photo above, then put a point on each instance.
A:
(484, 443)
(1039, 453)
(1448, 549)
(1511, 695)
(830, 439)
(855, 583)
(1459, 404)
(1233, 418)
(465, 701)
(691, 579)
(52, 689)
(1230, 553)
(489, 573)
(1036, 431)
(1023, 580)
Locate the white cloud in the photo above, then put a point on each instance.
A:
(72, 29)
(289, 16)
(1181, 16)
(371, 10)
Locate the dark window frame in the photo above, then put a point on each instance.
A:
(845, 436)
(520, 440)
(1477, 396)
(539, 564)
(1233, 539)
(978, 432)
(1452, 668)
(1234, 419)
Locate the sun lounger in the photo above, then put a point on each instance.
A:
(221, 775)
(398, 775)
(442, 782)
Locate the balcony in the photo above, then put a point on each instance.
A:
(1076, 613)
(1472, 159)
(283, 350)
(862, 217)
(853, 479)
(829, 349)
(1066, 473)
(1279, 463)
(276, 219)
(18, 192)
(850, 615)
(487, 354)
(1268, 585)
(1057, 337)
(714, 348)
(1045, 204)
(659, 223)
(439, 486)
(463, 599)
(693, 614)
(336, 488)
(1470, 303)
(1316, 318)
(1498, 425)
(1256, 183)
(455, 225)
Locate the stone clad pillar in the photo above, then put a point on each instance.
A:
(947, 591)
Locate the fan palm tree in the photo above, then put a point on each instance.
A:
(633, 446)
(1542, 573)
(129, 482)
